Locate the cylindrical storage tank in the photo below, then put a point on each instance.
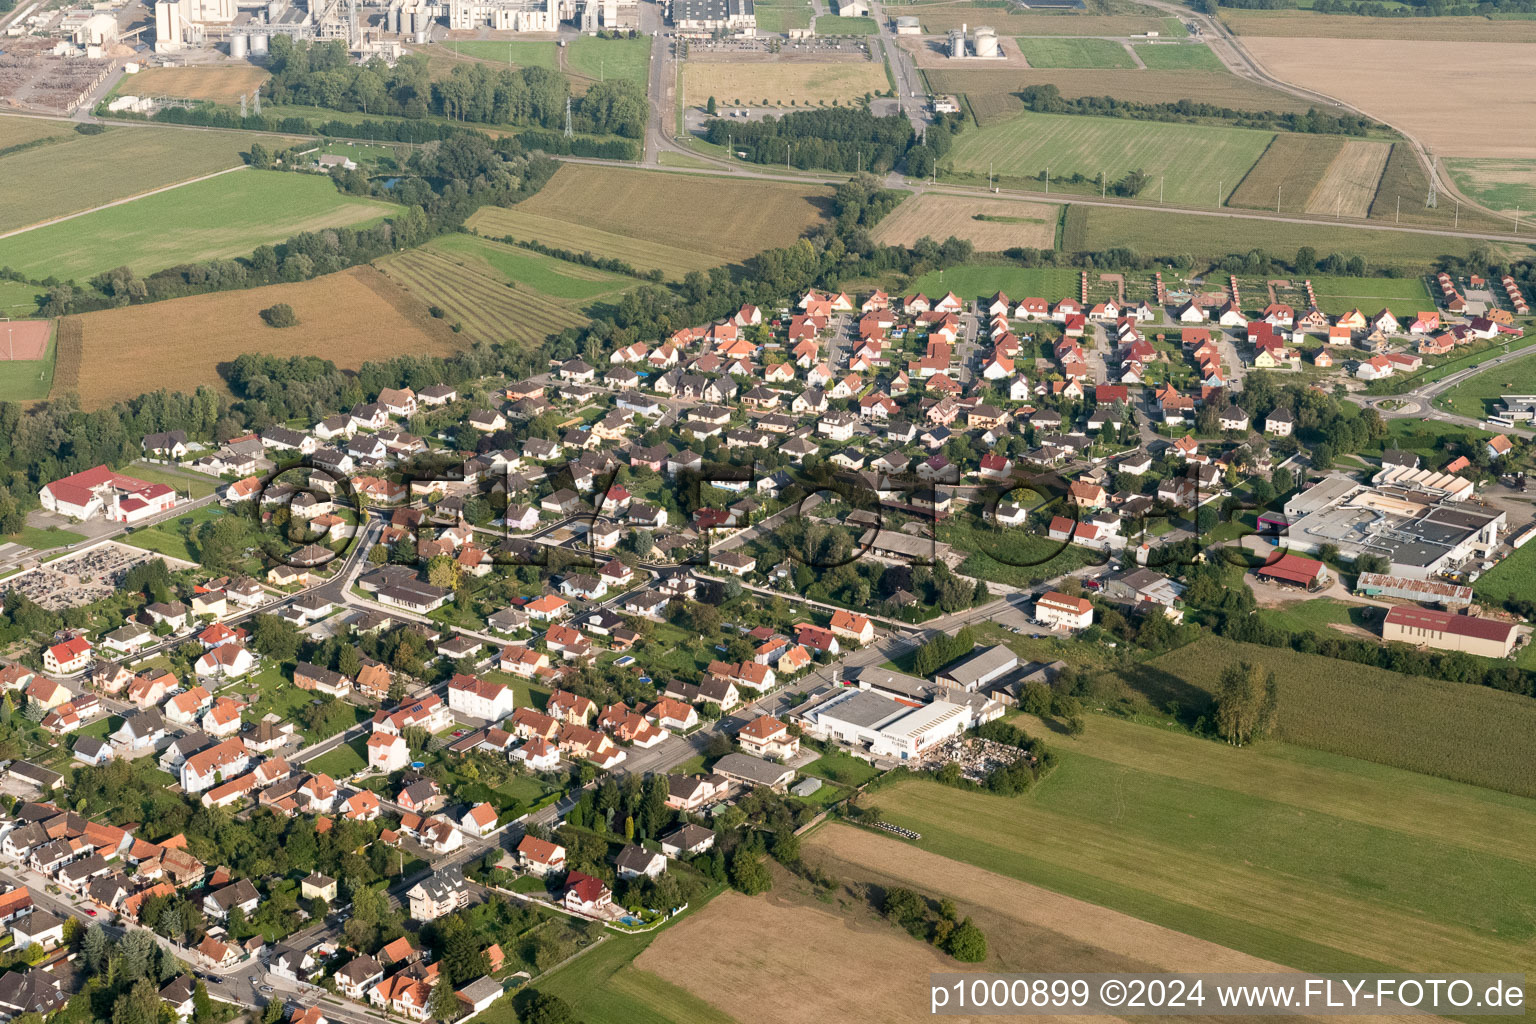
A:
(957, 42)
(394, 20)
(986, 42)
(258, 42)
(421, 35)
(274, 11)
(239, 46)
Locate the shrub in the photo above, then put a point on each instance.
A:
(280, 315)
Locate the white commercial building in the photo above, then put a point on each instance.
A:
(884, 726)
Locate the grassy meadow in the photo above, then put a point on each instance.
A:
(1311, 860)
(218, 217)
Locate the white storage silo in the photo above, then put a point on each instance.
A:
(957, 42)
(986, 41)
(239, 46)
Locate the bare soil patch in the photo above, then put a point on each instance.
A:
(1486, 109)
(1006, 224)
(216, 85)
(25, 340)
(351, 318)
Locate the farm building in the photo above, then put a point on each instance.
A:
(1448, 595)
(1446, 631)
(1284, 567)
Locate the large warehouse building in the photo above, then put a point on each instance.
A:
(1445, 631)
(884, 726)
(1422, 530)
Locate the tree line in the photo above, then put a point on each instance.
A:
(1047, 99)
(848, 139)
(321, 74)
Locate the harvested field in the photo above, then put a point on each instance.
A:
(228, 215)
(1094, 229)
(1352, 179)
(783, 83)
(674, 262)
(1387, 79)
(727, 220)
(1497, 184)
(865, 972)
(1190, 159)
(120, 162)
(938, 19)
(1401, 194)
(992, 225)
(350, 318)
(216, 85)
(487, 307)
(1306, 24)
(1292, 165)
(993, 93)
(1062, 52)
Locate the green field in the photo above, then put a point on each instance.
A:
(1317, 862)
(1067, 52)
(783, 15)
(1188, 159)
(1153, 232)
(605, 987)
(173, 537)
(1183, 57)
(120, 162)
(1317, 615)
(1405, 296)
(973, 281)
(27, 380)
(44, 540)
(841, 768)
(1513, 578)
(18, 300)
(1476, 396)
(524, 53)
(343, 760)
(199, 485)
(1458, 731)
(834, 25)
(225, 216)
(1497, 184)
(532, 270)
(600, 59)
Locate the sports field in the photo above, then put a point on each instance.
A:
(1404, 296)
(1497, 184)
(224, 216)
(1306, 24)
(1190, 160)
(1180, 57)
(1066, 52)
(495, 292)
(1283, 855)
(834, 25)
(1293, 165)
(783, 83)
(633, 216)
(122, 161)
(18, 300)
(350, 318)
(1386, 79)
(1093, 229)
(216, 85)
(610, 59)
(524, 53)
(29, 377)
(992, 225)
(783, 15)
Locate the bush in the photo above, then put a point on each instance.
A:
(280, 315)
